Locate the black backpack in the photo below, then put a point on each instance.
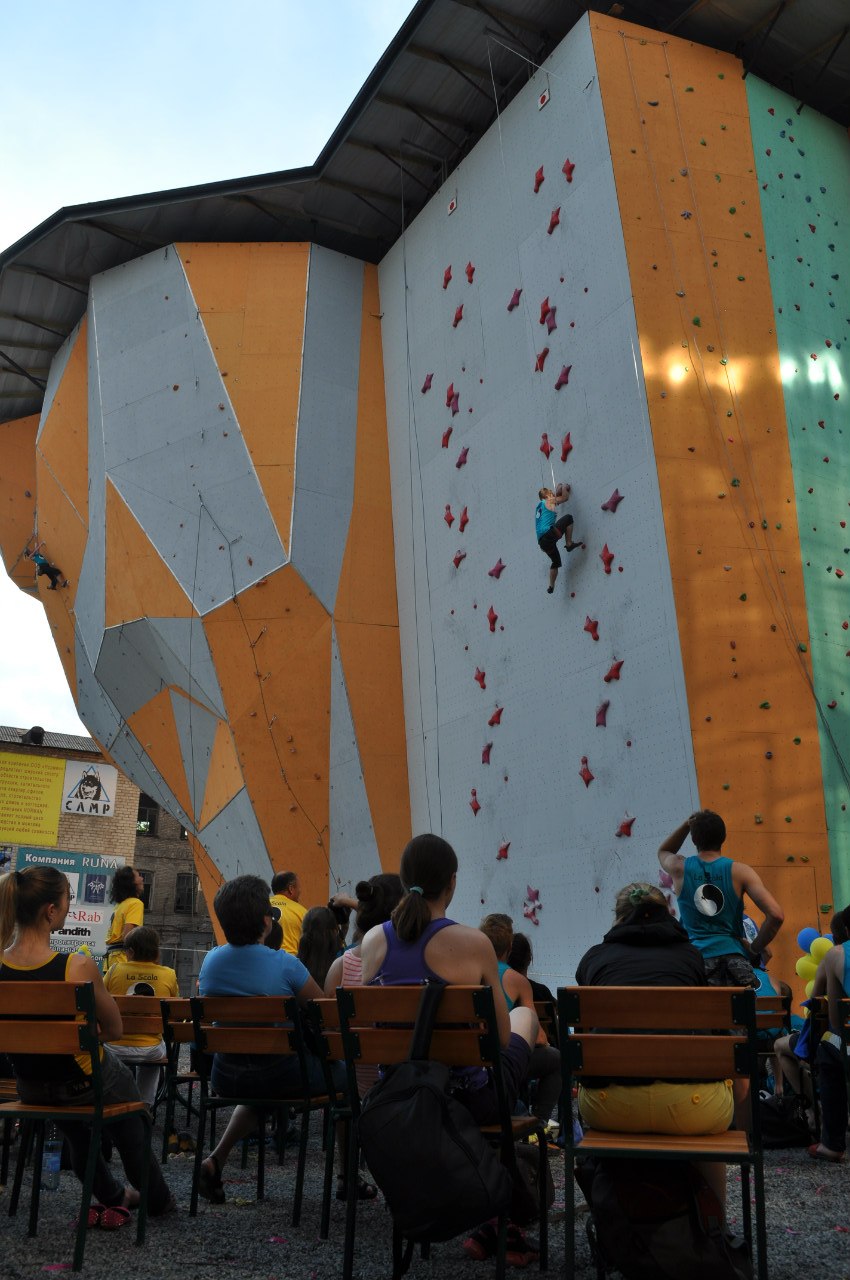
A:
(438, 1173)
(783, 1123)
(654, 1220)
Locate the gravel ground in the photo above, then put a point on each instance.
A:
(808, 1215)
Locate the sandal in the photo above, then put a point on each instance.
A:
(209, 1184)
(482, 1244)
(365, 1190)
(114, 1217)
(520, 1251)
(819, 1152)
(93, 1215)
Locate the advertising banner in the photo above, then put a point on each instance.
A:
(30, 798)
(89, 875)
(89, 788)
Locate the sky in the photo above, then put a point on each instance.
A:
(103, 100)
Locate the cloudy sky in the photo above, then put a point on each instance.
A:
(103, 100)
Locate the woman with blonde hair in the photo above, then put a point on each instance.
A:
(33, 904)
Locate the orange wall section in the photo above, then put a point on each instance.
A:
(366, 611)
(678, 127)
(17, 498)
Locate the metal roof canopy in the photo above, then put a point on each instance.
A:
(425, 105)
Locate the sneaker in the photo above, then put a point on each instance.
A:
(481, 1245)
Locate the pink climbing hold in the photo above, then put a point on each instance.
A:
(551, 322)
(544, 310)
(613, 502)
(470, 271)
(515, 297)
(498, 569)
(480, 677)
(458, 558)
(563, 377)
(492, 618)
(607, 558)
(455, 404)
(464, 519)
(503, 850)
(426, 385)
(450, 391)
(541, 360)
(602, 715)
(458, 316)
(533, 895)
(448, 517)
(567, 169)
(665, 880)
(496, 717)
(591, 626)
(485, 752)
(584, 773)
(447, 435)
(447, 275)
(539, 179)
(554, 220)
(613, 672)
(566, 447)
(473, 803)
(625, 827)
(545, 446)
(461, 461)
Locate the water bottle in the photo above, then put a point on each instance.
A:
(51, 1159)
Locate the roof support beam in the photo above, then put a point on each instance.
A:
(19, 369)
(46, 275)
(35, 324)
(365, 193)
(394, 157)
(393, 153)
(426, 113)
(836, 45)
(468, 71)
(777, 14)
(128, 237)
(502, 17)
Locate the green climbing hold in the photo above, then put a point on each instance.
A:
(787, 819)
(790, 857)
(742, 277)
(726, 786)
(759, 819)
(696, 321)
(689, 88)
(732, 209)
(748, 235)
(764, 706)
(743, 596)
(764, 524)
(717, 177)
(797, 741)
(779, 526)
(728, 413)
(721, 76)
(724, 360)
(804, 648)
(702, 142)
(825, 908)
(735, 482)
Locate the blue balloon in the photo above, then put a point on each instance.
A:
(806, 937)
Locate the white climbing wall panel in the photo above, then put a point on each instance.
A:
(478, 372)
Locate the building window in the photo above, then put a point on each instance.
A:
(184, 834)
(184, 893)
(147, 815)
(147, 891)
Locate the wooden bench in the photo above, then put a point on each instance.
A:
(663, 1033)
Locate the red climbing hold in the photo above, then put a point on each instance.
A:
(544, 310)
(450, 391)
(461, 458)
(533, 895)
(613, 672)
(515, 297)
(563, 377)
(459, 556)
(447, 275)
(832, 705)
(591, 626)
(448, 517)
(426, 385)
(625, 827)
(613, 502)
(812, 228)
(480, 677)
(545, 446)
(566, 447)
(485, 752)
(602, 715)
(554, 220)
(606, 557)
(503, 850)
(530, 913)
(458, 316)
(447, 434)
(541, 360)
(473, 804)
(464, 519)
(567, 169)
(455, 405)
(584, 773)
(492, 618)
(470, 271)
(551, 322)
(539, 179)
(498, 569)
(496, 717)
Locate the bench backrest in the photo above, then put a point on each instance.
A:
(245, 1024)
(377, 1025)
(177, 1025)
(141, 1015)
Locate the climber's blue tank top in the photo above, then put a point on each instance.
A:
(711, 910)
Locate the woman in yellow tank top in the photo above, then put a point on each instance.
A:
(34, 903)
(126, 892)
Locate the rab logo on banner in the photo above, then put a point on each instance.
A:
(89, 789)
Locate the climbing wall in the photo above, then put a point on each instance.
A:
(548, 736)
(211, 473)
(803, 166)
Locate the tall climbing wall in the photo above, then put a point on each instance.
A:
(803, 166)
(211, 473)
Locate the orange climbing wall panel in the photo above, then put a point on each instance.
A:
(224, 778)
(155, 729)
(135, 572)
(678, 128)
(64, 440)
(366, 611)
(252, 299)
(211, 881)
(17, 510)
(272, 651)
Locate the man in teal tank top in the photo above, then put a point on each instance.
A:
(710, 889)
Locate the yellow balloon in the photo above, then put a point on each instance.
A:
(819, 948)
(806, 968)
(810, 986)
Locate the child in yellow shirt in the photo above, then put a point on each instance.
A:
(141, 974)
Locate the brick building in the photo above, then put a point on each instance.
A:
(37, 815)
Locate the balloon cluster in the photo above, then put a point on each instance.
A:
(814, 947)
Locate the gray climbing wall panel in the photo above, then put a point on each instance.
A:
(354, 851)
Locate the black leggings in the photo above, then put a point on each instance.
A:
(549, 540)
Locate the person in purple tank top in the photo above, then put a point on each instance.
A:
(420, 943)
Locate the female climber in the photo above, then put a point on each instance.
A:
(549, 528)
